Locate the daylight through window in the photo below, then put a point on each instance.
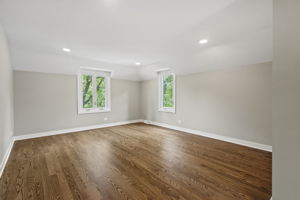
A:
(93, 91)
(166, 92)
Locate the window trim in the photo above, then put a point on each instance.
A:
(161, 108)
(94, 73)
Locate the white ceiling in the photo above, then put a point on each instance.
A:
(115, 34)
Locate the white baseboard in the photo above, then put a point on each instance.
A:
(6, 156)
(214, 136)
(72, 130)
(195, 132)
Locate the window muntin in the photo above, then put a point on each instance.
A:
(93, 91)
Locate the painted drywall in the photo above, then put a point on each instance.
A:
(6, 97)
(286, 100)
(48, 102)
(235, 102)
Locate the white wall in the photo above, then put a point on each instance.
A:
(234, 102)
(6, 98)
(286, 100)
(48, 102)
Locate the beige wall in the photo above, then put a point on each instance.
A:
(6, 97)
(47, 102)
(234, 102)
(286, 100)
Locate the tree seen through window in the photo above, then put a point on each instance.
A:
(87, 91)
(168, 91)
(100, 81)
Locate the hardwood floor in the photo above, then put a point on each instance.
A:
(136, 161)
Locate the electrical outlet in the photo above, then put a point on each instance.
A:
(179, 121)
(105, 118)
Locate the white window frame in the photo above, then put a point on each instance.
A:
(94, 73)
(161, 107)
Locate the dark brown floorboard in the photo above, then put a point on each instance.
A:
(137, 162)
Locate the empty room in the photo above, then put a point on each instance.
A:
(149, 99)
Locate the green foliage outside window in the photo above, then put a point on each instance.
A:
(168, 91)
(100, 81)
(87, 91)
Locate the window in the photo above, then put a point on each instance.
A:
(166, 92)
(93, 91)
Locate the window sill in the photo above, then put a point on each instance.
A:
(167, 110)
(93, 111)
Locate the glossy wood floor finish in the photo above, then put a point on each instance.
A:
(137, 162)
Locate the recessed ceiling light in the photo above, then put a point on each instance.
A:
(137, 63)
(204, 41)
(66, 50)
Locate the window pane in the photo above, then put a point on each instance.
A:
(168, 91)
(87, 91)
(100, 81)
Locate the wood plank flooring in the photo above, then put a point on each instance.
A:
(135, 162)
